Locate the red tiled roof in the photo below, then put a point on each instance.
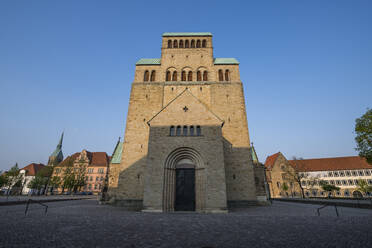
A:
(98, 158)
(95, 159)
(324, 164)
(69, 160)
(270, 160)
(32, 169)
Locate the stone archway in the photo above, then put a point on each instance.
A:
(182, 159)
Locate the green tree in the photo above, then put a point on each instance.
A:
(45, 173)
(285, 187)
(13, 178)
(294, 174)
(80, 174)
(55, 182)
(69, 180)
(3, 179)
(363, 130)
(328, 187)
(364, 187)
(37, 183)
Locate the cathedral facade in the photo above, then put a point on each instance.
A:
(186, 144)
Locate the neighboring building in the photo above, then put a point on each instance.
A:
(277, 169)
(343, 172)
(186, 144)
(29, 172)
(57, 156)
(95, 168)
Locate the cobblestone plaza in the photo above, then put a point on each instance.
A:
(85, 223)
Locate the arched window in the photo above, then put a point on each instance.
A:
(171, 131)
(192, 43)
(183, 76)
(187, 44)
(227, 76)
(192, 131)
(184, 133)
(174, 78)
(175, 44)
(220, 75)
(198, 76)
(168, 76)
(146, 76)
(189, 77)
(152, 76)
(205, 76)
(169, 44)
(198, 131)
(198, 43)
(204, 44)
(181, 44)
(178, 131)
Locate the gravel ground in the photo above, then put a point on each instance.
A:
(85, 223)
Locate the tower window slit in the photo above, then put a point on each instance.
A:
(169, 44)
(189, 77)
(198, 43)
(204, 44)
(146, 76)
(187, 44)
(152, 76)
(205, 76)
(220, 75)
(181, 44)
(184, 133)
(198, 131)
(178, 131)
(183, 76)
(192, 131)
(171, 131)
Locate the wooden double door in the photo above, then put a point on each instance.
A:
(185, 189)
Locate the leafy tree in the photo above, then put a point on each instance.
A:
(3, 179)
(364, 187)
(80, 174)
(37, 183)
(285, 187)
(363, 130)
(294, 174)
(13, 177)
(328, 187)
(68, 179)
(55, 182)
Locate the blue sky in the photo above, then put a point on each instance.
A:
(68, 65)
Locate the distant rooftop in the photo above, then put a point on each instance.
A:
(155, 61)
(225, 61)
(188, 34)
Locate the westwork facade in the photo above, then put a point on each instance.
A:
(186, 145)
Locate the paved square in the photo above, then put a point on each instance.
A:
(85, 223)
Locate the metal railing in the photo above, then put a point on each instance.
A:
(327, 205)
(33, 201)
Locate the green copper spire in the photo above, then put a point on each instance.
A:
(254, 155)
(59, 146)
(57, 156)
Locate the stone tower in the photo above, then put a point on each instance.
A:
(186, 144)
(57, 156)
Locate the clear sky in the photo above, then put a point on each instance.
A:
(68, 65)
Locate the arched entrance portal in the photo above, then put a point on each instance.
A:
(184, 181)
(185, 186)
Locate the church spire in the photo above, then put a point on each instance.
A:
(59, 146)
(57, 156)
